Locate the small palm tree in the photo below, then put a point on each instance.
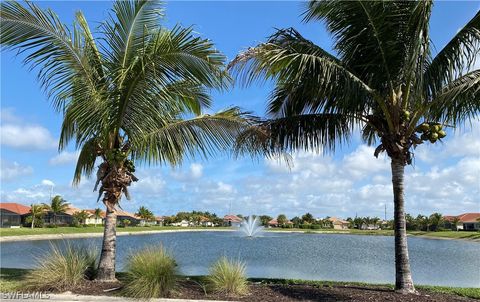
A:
(57, 206)
(134, 93)
(36, 211)
(81, 216)
(97, 214)
(145, 214)
(282, 219)
(384, 81)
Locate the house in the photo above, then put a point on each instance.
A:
(205, 222)
(232, 220)
(124, 215)
(65, 218)
(13, 214)
(466, 221)
(182, 223)
(92, 219)
(273, 223)
(338, 224)
(159, 220)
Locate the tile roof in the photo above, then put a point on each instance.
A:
(336, 220)
(92, 212)
(17, 208)
(466, 217)
(232, 218)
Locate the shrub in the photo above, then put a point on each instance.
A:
(150, 273)
(228, 277)
(62, 267)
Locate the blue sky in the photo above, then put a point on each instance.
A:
(445, 178)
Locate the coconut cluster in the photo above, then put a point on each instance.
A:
(431, 132)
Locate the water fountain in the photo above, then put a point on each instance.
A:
(251, 226)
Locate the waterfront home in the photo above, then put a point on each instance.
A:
(338, 224)
(273, 223)
(159, 220)
(232, 220)
(94, 220)
(65, 218)
(466, 221)
(182, 223)
(124, 215)
(13, 214)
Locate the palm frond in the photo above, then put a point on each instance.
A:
(200, 136)
(303, 72)
(458, 102)
(51, 47)
(369, 36)
(86, 160)
(310, 132)
(457, 57)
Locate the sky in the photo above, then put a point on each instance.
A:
(445, 177)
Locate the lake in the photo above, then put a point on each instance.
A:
(293, 255)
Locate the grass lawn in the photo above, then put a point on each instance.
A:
(448, 234)
(11, 281)
(90, 229)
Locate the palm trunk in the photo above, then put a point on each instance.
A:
(106, 266)
(33, 221)
(403, 275)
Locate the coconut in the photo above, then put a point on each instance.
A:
(406, 114)
(434, 135)
(442, 134)
(424, 127)
(436, 128)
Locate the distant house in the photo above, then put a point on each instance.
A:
(65, 218)
(466, 221)
(92, 219)
(124, 215)
(232, 220)
(205, 222)
(273, 223)
(182, 223)
(13, 214)
(339, 224)
(159, 220)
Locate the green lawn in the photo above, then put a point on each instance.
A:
(11, 280)
(99, 229)
(90, 229)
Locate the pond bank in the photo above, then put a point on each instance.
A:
(260, 289)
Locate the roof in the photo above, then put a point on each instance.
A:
(121, 212)
(336, 220)
(159, 218)
(232, 218)
(92, 213)
(16, 208)
(273, 222)
(72, 210)
(466, 217)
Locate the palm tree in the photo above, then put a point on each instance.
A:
(145, 213)
(81, 216)
(97, 214)
(436, 219)
(133, 93)
(58, 205)
(36, 211)
(384, 79)
(282, 219)
(454, 222)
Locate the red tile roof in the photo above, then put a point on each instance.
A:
(232, 218)
(92, 213)
(17, 208)
(466, 217)
(273, 222)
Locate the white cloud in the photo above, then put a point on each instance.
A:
(48, 182)
(195, 172)
(13, 170)
(64, 158)
(26, 137)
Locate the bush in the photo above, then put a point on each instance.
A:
(228, 277)
(150, 273)
(38, 222)
(62, 267)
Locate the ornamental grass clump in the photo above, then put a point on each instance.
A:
(228, 277)
(150, 273)
(64, 267)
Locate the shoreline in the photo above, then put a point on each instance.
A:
(17, 238)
